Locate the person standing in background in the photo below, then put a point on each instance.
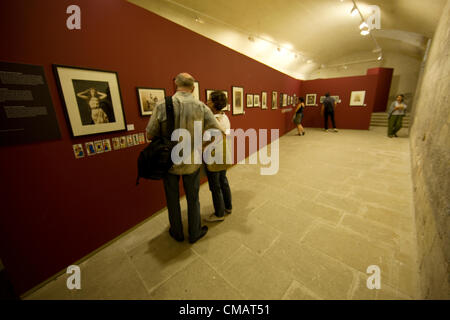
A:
(298, 117)
(217, 173)
(396, 112)
(328, 106)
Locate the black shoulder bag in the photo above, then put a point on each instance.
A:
(155, 160)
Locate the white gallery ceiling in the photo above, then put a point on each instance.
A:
(298, 37)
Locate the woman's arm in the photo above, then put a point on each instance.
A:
(101, 95)
(82, 94)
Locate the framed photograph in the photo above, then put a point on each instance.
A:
(98, 146)
(148, 99)
(322, 98)
(92, 100)
(357, 98)
(123, 142)
(285, 99)
(311, 99)
(107, 145)
(256, 101)
(90, 148)
(295, 100)
(78, 151)
(264, 100)
(238, 100)
(141, 138)
(130, 141)
(249, 100)
(116, 143)
(196, 92)
(274, 100)
(136, 139)
(208, 93)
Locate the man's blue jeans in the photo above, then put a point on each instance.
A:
(221, 193)
(191, 184)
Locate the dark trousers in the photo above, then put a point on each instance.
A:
(191, 184)
(330, 114)
(395, 124)
(220, 190)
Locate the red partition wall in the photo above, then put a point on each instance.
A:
(346, 117)
(56, 209)
(383, 87)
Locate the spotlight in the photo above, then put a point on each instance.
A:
(365, 32)
(363, 25)
(354, 11)
(251, 39)
(199, 20)
(380, 57)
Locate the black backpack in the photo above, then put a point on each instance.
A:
(155, 160)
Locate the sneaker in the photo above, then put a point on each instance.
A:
(395, 135)
(335, 130)
(303, 133)
(390, 136)
(228, 211)
(203, 231)
(326, 130)
(214, 218)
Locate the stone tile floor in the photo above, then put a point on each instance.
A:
(339, 203)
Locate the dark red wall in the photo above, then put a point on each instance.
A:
(383, 87)
(346, 117)
(56, 209)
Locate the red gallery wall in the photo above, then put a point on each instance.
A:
(383, 87)
(346, 117)
(56, 209)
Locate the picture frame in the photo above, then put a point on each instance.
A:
(249, 100)
(149, 98)
(196, 92)
(91, 99)
(256, 101)
(209, 91)
(285, 99)
(357, 98)
(274, 100)
(238, 100)
(264, 100)
(336, 99)
(310, 99)
(322, 98)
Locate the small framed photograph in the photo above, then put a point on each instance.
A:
(256, 101)
(295, 100)
(264, 100)
(107, 145)
(99, 146)
(92, 100)
(196, 92)
(274, 100)
(285, 97)
(141, 138)
(322, 98)
(136, 139)
(238, 100)
(148, 99)
(123, 142)
(249, 100)
(130, 140)
(208, 93)
(78, 151)
(116, 143)
(90, 148)
(357, 98)
(336, 99)
(311, 99)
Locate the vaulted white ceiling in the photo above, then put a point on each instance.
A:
(300, 36)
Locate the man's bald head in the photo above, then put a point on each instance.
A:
(184, 80)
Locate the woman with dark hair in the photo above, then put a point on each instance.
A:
(298, 117)
(217, 173)
(396, 113)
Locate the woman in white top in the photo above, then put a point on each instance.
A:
(217, 180)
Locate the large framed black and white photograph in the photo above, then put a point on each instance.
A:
(311, 99)
(148, 99)
(238, 100)
(92, 100)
